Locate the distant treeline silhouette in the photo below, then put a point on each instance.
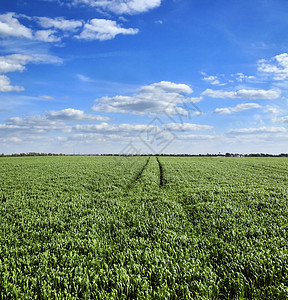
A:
(150, 154)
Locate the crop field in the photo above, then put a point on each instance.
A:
(143, 228)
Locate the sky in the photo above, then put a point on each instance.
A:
(143, 76)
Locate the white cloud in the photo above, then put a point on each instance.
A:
(139, 133)
(244, 94)
(186, 127)
(281, 120)
(273, 110)
(121, 129)
(102, 29)
(218, 80)
(59, 23)
(50, 121)
(157, 98)
(10, 64)
(47, 36)
(17, 62)
(84, 78)
(241, 77)
(123, 19)
(277, 66)
(29, 121)
(161, 132)
(29, 125)
(5, 85)
(10, 26)
(196, 137)
(167, 86)
(70, 114)
(55, 29)
(46, 97)
(261, 130)
(130, 7)
(237, 108)
(212, 79)
(14, 140)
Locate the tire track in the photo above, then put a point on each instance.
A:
(138, 176)
(142, 170)
(161, 183)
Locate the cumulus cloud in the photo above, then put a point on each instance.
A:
(277, 66)
(5, 85)
(55, 29)
(261, 130)
(157, 98)
(161, 132)
(50, 121)
(10, 26)
(237, 108)
(244, 94)
(130, 7)
(59, 23)
(70, 114)
(102, 29)
(167, 86)
(212, 79)
(10, 64)
(240, 77)
(48, 36)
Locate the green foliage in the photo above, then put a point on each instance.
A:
(143, 228)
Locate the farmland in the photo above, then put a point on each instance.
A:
(143, 228)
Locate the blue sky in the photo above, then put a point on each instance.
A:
(143, 76)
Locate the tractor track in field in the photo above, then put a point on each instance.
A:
(139, 174)
(161, 183)
(142, 170)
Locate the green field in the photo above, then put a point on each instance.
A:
(143, 228)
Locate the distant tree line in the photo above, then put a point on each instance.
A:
(256, 155)
(161, 154)
(31, 154)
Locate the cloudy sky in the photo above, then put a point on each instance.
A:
(143, 76)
